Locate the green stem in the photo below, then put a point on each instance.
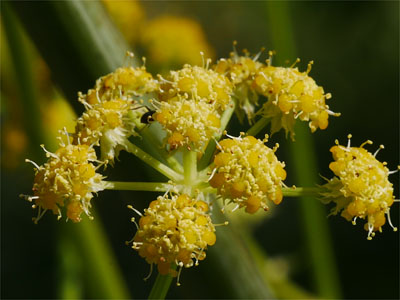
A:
(258, 126)
(305, 167)
(301, 192)
(156, 164)
(161, 287)
(154, 142)
(226, 116)
(139, 186)
(189, 167)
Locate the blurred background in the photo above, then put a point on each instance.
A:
(355, 49)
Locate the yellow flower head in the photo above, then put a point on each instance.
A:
(174, 230)
(192, 100)
(67, 179)
(241, 71)
(292, 94)
(123, 82)
(108, 124)
(112, 110)
(199, 84)
(248, 173)
(175, 41)
(361, 188)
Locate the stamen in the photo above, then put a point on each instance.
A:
(395, 171)
(348, 142)
(366, 142)
(151, 272)
(295, 63)
(179, 273)
(235, 208)
(379, 149)
(370, 231)
(33, 163)
(255, 58)
(135, 210)
(48, 153)
(212, 174)
(133, 220)
(390, 221)
(309, 66)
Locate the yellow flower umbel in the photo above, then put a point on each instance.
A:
(173, 41)
(192, 101)
(241, 71)
(68, 179)
(292, 94)
(361, 188)
(112, 110)
(174, 231)
(248, 173)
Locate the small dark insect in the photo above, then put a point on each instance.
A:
(147, 117)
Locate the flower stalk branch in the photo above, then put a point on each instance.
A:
(151, 161)
(139, 186)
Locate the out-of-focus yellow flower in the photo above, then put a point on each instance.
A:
(174, 41)
(361, 188)
(14, 142)
(128, 15)
(68, 179)
(174, 230)
(248, 173)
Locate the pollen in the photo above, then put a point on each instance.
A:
(174, 230)
(292, 94)
(248, 173)
(360, 188)
(68, 179)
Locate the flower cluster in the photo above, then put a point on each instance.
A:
(174, 231)
(241, 71)
(361, 188)
(191, 103)
(68, 179)
(112, 110)
(248, 173)
(291, 94)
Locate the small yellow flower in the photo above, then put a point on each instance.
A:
(241, 71)
(67, 179)
(248, 173)
(361, 188)
(113, 110)
(292, 94)
(126, 82)
(192, 101)
(108, 124)
(174, 230)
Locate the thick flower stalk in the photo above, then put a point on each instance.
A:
(248, 173)
(361, 188)
(68, 179)
(174, 232)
